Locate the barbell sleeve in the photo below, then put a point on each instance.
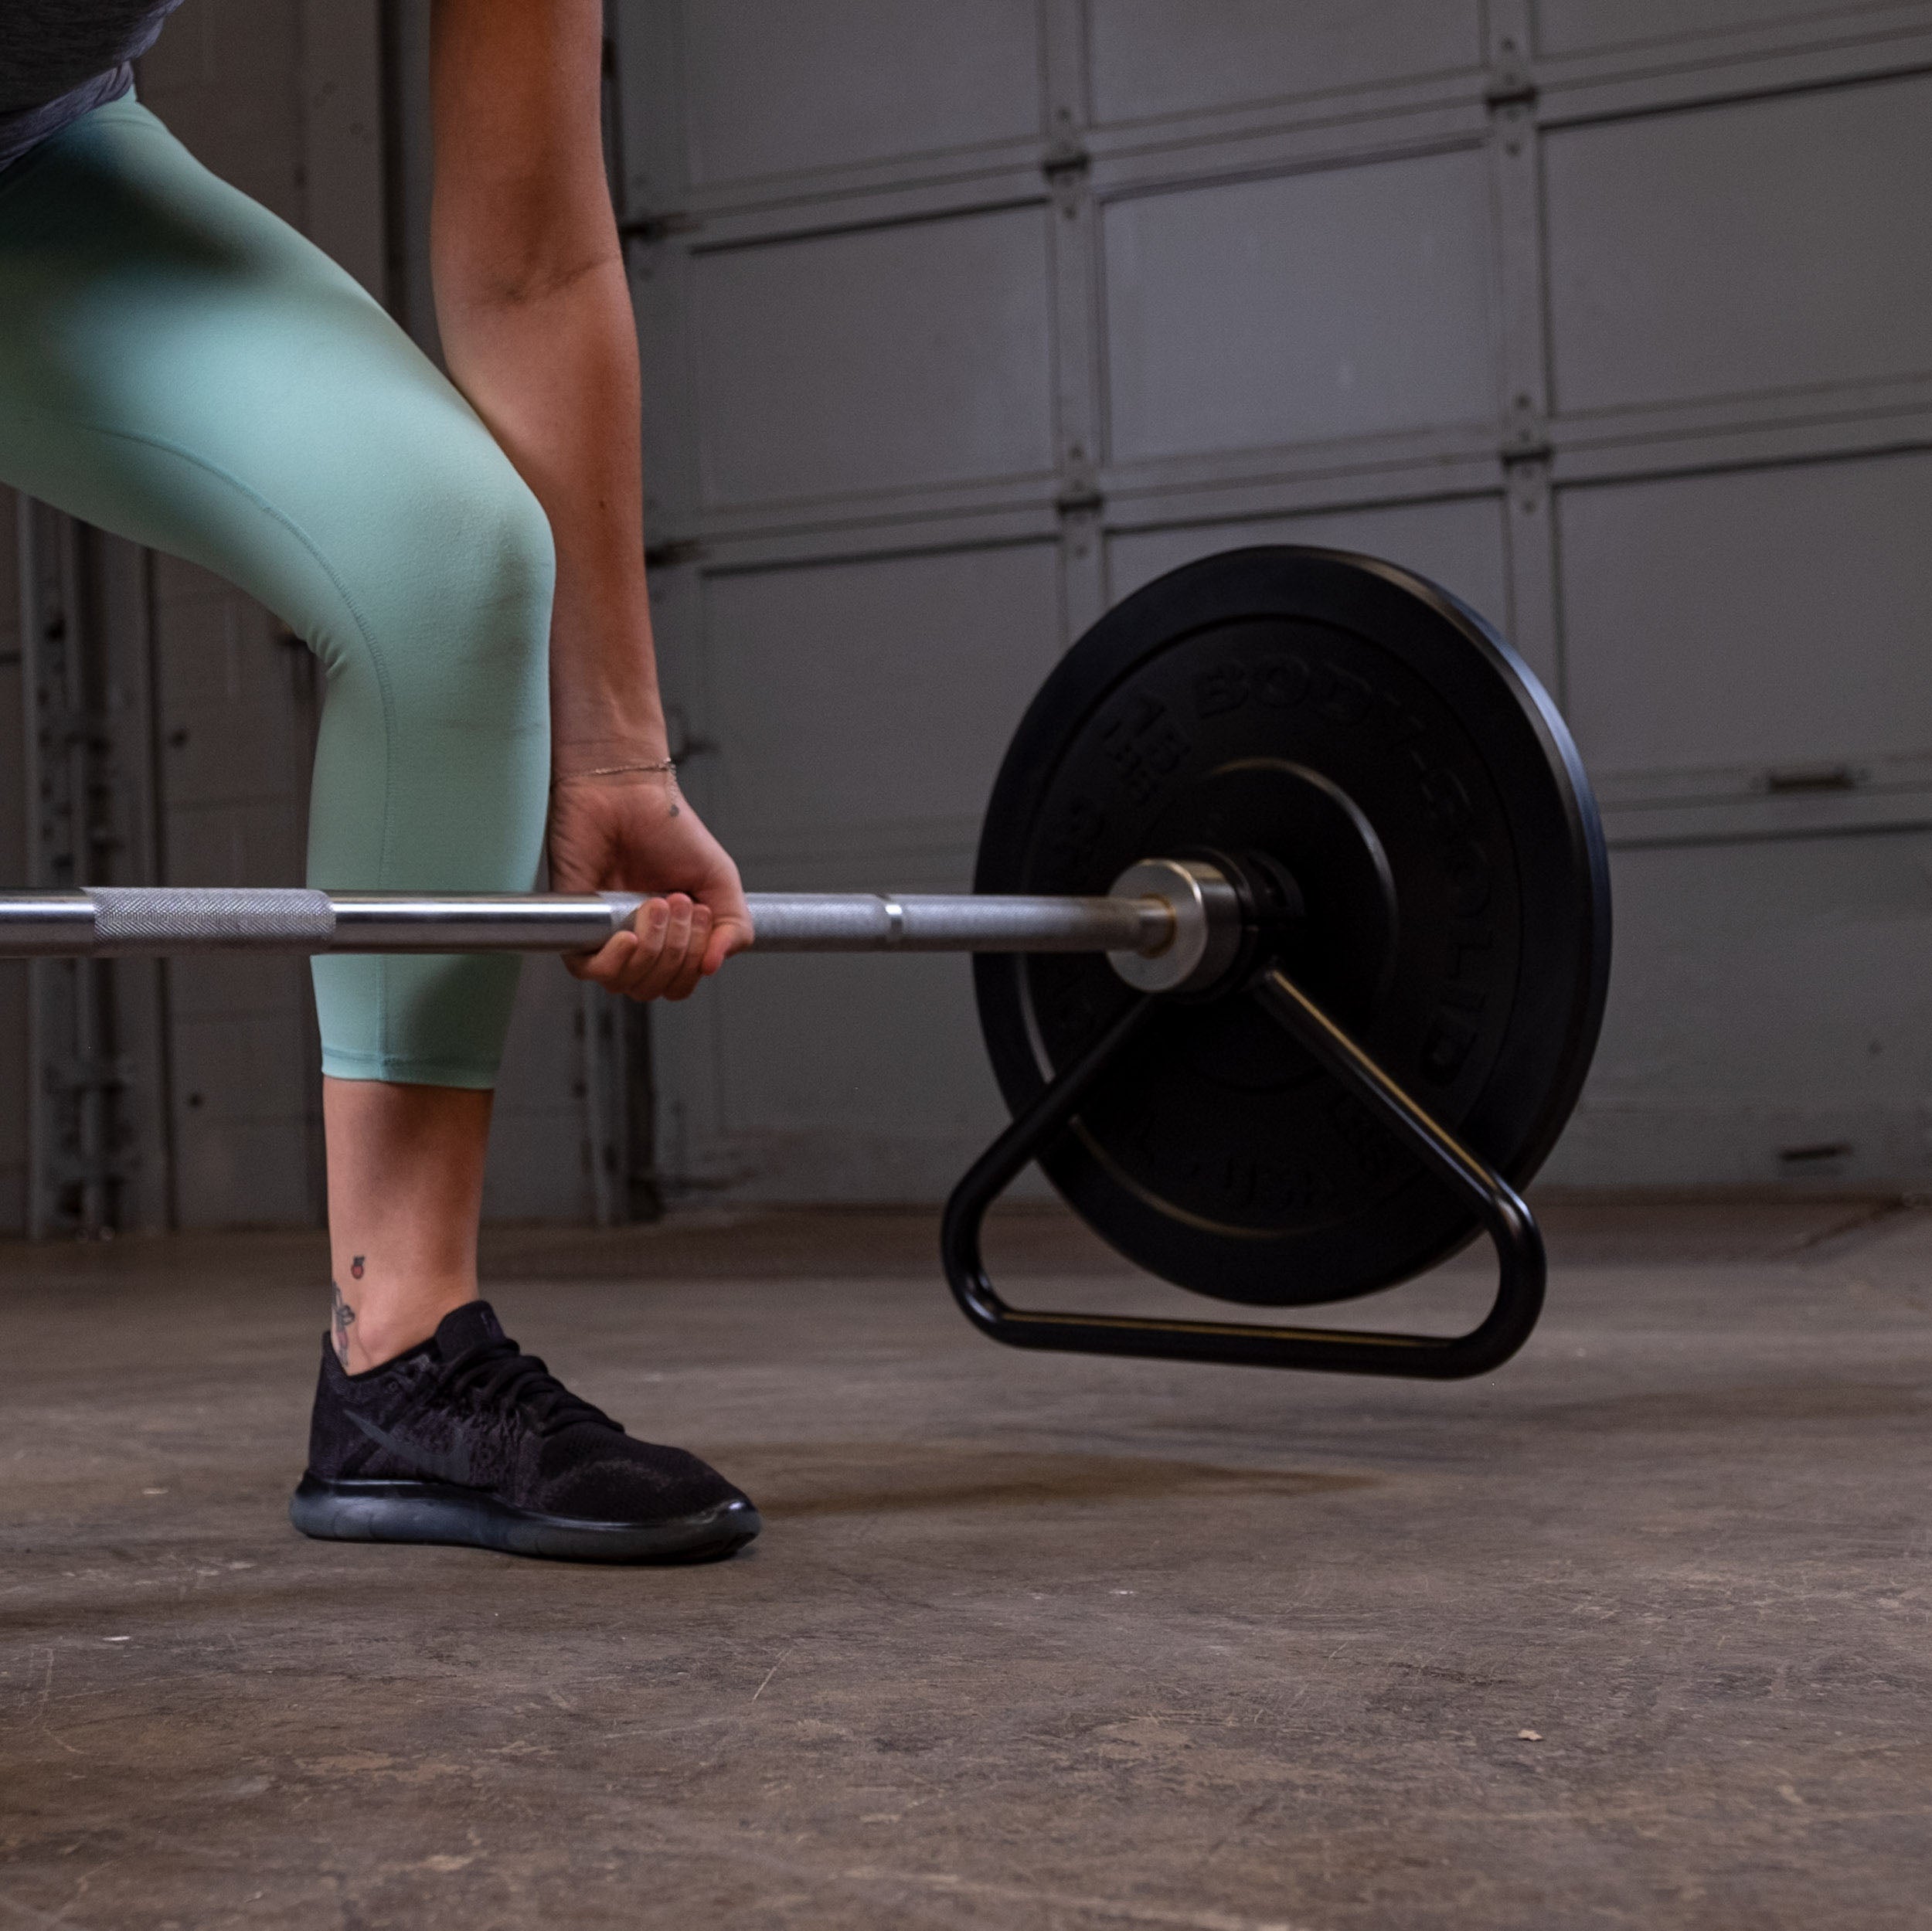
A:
(112, 921)
(866, 922)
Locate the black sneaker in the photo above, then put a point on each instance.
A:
(465, 1439)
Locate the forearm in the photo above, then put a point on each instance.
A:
(535, 312)
(553, 372)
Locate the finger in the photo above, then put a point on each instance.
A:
(729, 935)
(683, 969)
(673, 937)
(662, 955)
(651, 923)
(683, 965)
(608, 965)
(691, 967)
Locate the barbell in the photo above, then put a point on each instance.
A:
(1291, 919)
(124, 921)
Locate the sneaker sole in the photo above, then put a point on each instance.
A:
(373, 1512)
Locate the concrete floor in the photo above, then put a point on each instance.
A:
(1634, 1632)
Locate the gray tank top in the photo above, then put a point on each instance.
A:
(61, 59)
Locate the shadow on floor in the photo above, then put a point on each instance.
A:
(802, 1479)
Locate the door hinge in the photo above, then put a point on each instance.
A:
(90, 1075)
(1080, 495)
(1065, 156)
(1510, 84)
(1526, 435)
(652, 228)
(670, 555)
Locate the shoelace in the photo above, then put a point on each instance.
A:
(499, 1374)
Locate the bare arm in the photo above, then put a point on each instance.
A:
(534, 311)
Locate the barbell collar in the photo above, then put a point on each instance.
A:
(1206, 925)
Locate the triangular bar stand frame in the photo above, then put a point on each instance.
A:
(1498, 1208)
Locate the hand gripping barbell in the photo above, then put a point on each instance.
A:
(1330, 1011)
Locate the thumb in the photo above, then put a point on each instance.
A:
(729, 935)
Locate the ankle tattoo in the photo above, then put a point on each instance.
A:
(342, 1317)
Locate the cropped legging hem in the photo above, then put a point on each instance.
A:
(180, 367)
(338, 1064)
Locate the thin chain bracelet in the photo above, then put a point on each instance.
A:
(612, 770)
(667, 766)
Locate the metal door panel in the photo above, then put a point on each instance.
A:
(1151, 58)
(864, 702)
(536, 1168)
(228, 73)
(538, 1138)
(237, 841)
(1459, 544)
(234, 703)
(772, 87)
(917, 353)
(1756, 619)
(1731, 250)
(252, 845)
(242, 1041)
(232, 1066)
(1589, 26)
(243, 1173)
(231, 710)
(13, 872)
(851, 1079)
(241, 1131)
(1306, 308)
(13, 1084)
(211, 985)
(546, 1080)
(1770, 1003)
(891, 358)
(1260, 342)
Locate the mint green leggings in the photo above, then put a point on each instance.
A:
(179, 366)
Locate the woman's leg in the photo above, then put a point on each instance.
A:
(405, 1186)
(179, 366)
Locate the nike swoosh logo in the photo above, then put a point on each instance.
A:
(448, 1468)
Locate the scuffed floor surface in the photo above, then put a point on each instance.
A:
(1635, 1632)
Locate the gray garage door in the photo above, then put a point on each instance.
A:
(960, 322)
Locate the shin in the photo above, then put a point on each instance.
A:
(405, 1189)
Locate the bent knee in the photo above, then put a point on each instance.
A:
(449, 572)
(507, 535)
(491, 568)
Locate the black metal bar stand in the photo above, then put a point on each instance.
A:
(1499, 1208)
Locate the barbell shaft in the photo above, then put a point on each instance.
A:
(171, 920)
